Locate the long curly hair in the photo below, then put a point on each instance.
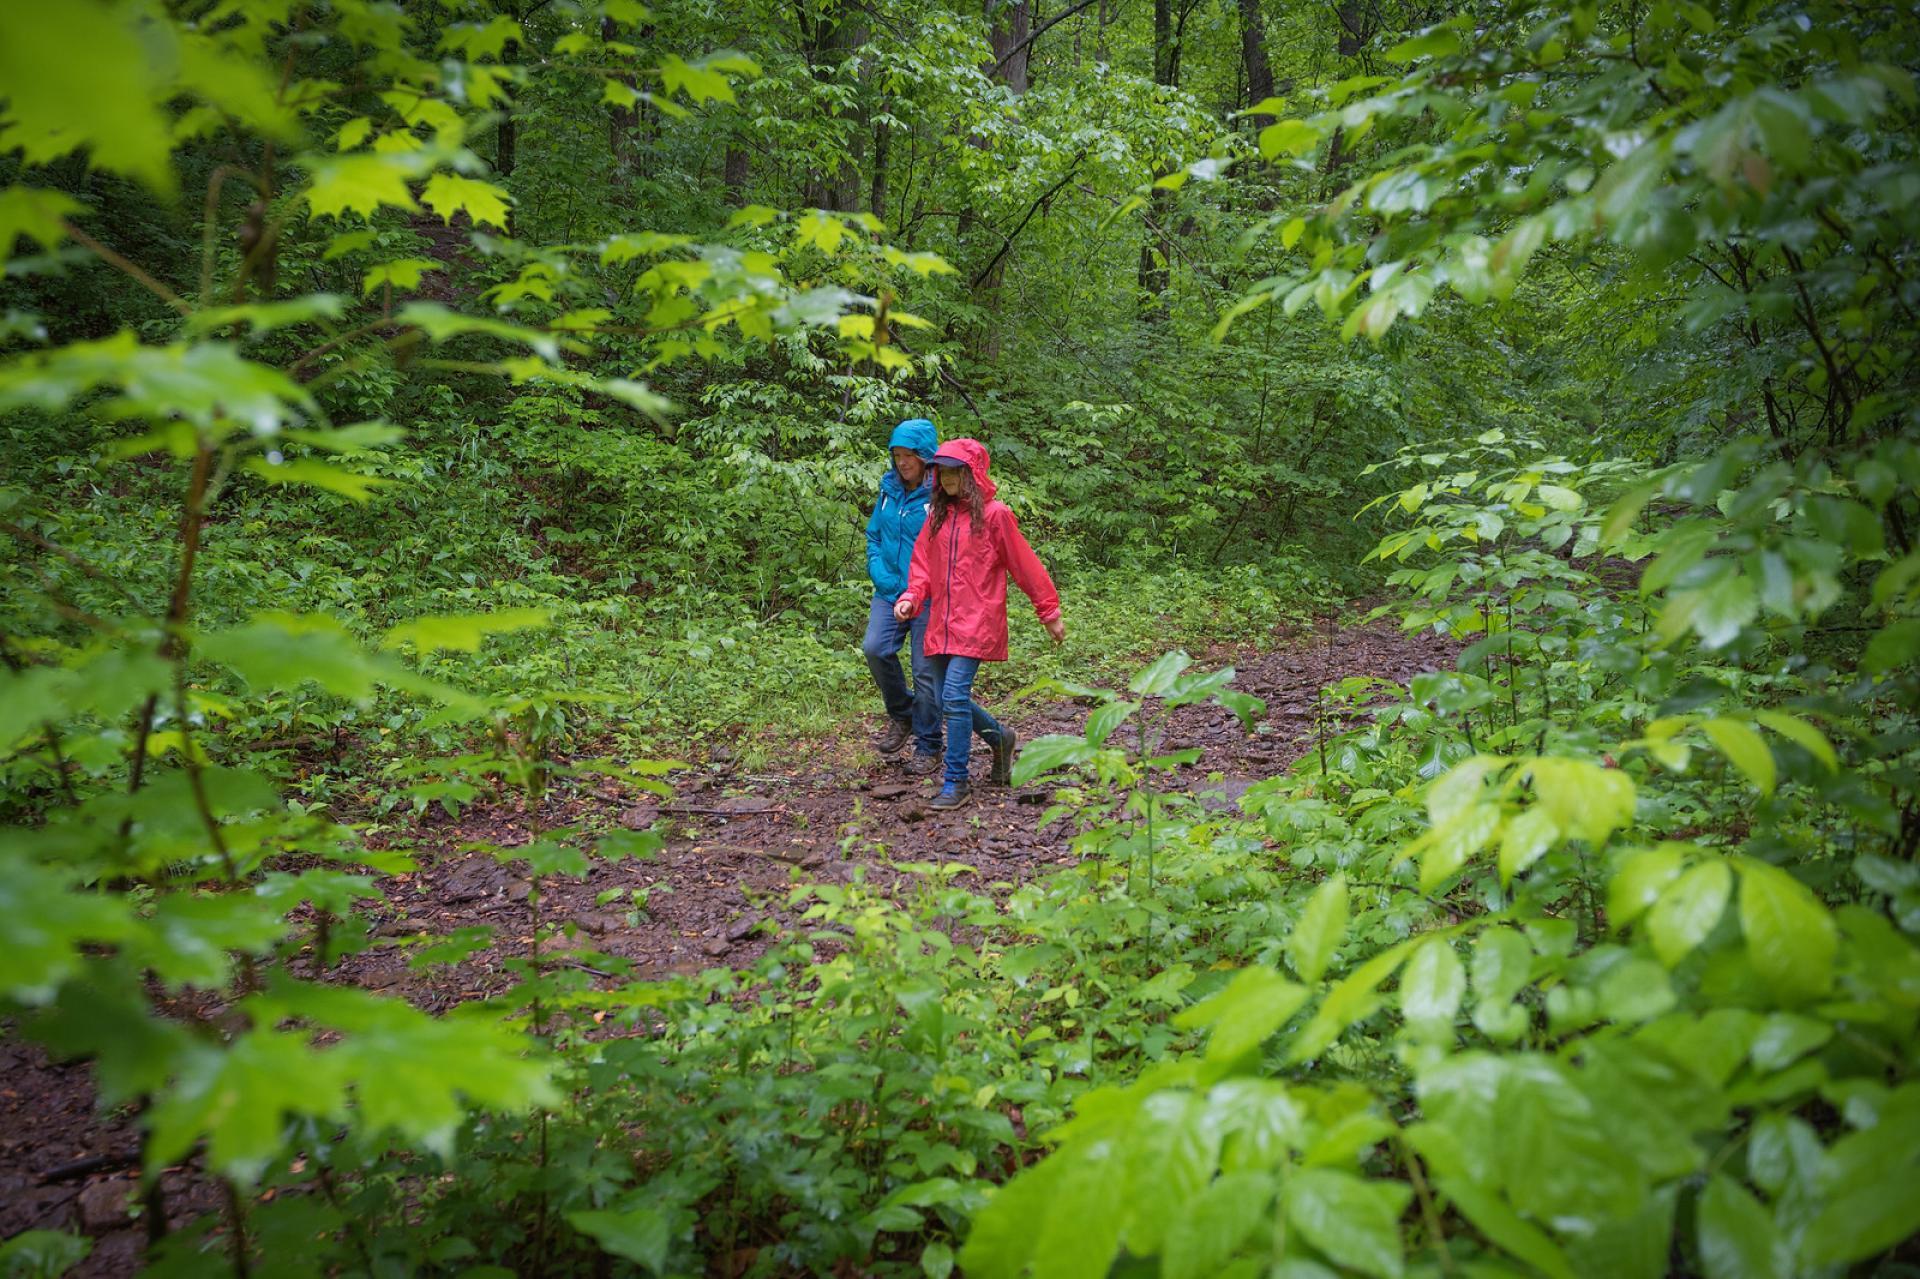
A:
(969, 493)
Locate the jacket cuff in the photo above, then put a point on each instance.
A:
(1052, 616)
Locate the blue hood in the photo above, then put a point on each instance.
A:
(918, 434)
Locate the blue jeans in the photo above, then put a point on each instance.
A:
(921, 707)
(964, 716)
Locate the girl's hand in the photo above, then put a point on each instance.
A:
(1058, 629)
(903, 609)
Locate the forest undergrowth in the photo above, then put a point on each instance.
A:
(438, 834)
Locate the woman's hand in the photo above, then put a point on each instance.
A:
(903, 608)
(1058, 629)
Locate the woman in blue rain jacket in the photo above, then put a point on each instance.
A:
(895, 525)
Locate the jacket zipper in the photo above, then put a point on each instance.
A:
(953, 531)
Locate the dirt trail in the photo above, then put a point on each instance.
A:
(715, 896)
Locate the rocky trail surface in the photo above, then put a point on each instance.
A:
(738, 841)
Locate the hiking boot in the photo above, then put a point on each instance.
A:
(919, 764)
(1002, 774)
(952, 795)
(899, 732)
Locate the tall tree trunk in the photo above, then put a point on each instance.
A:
(1008, 26)
(882, 144)
(1253, 49)
(1157, 252)
(734, 170)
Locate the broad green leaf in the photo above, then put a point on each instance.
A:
(463, 631)
(240, 1099)
(1048, 754)
(1745, 749)
(484, 203)
(348, 484)
(1104, 719)
(1524, 840)
(33, 214)
(1242, 1016)
(1215, 1224)
(1322, 925)
(1586, 800)
(1790, 935)
(1288, 137)
(1247, 708)
(1355, 1222)
(42, 1254)
(1432, 984)
(45, 926)
(1638, 880)
(642, 1233)
(1800, 732)
(364, 182)
(1688, 909)
(1436, 42)
(82, 76)
(1351, 999)
(401, 273)
(1505, 1228)
(1157, 678)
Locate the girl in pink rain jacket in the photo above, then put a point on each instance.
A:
(968, 547)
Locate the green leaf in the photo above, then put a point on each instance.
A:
(449, 193)
(1432, 984)
(33, 214)
(44, 925)
(936, 1260)
(642, 1233)
(81, 76)
(1799, 731)
(1311, 943)
(1688, 910)
(1215, 1224)
(348, 484)
(1160, 676)
(1288, 137)
(463, 631)
(1791, 938)
(1435, 42)
(401, 273)
(1044, 755)
(1639, 879)
(1351, 999)
(1247, 708)
(364, 182)
(699, 82)
(1104, 719)
(1867, 1220)
(1587, 801)
(42, 1254)
(1254, 1005)
(1893, 647)
(1354, 1222)
(1745, 749)
(1505, 1228)
(239, 1100)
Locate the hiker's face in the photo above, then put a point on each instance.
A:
(953, 480)
(912, 467)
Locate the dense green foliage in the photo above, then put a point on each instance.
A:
(404, 402)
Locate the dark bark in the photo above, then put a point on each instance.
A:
(1253, 51)
(877, 197)
(1010, 30)
(506, 144)
(734, 171)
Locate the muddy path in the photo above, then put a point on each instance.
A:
(738, 841)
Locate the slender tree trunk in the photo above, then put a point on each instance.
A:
(1253, 49)
(1157, 252)
(877, 195)
(1009, 25)
(734, 171)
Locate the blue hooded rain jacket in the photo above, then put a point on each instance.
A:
(898, 515)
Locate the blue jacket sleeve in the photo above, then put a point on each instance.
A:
(876, 556)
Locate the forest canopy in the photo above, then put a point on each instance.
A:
(1471, 826)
